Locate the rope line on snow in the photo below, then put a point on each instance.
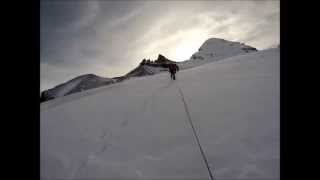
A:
(195, 134)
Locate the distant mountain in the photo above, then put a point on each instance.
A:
(78, 84)
(211, 50)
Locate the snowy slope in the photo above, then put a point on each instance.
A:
(138, 129)
(215, 49)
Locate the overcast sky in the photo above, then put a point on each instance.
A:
(110, 38)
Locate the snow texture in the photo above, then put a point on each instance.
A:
(138, 129)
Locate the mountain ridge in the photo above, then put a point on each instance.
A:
(213, 49)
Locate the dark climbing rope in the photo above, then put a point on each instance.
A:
(195, 135)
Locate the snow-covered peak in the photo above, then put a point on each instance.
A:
(212, 41)
(215, 49)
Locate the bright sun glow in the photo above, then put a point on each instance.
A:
(178, 47)
(190, 44)
(184, 51)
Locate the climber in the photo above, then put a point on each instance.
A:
(173, 68)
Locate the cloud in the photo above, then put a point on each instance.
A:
(68, 16)
(109, 38)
